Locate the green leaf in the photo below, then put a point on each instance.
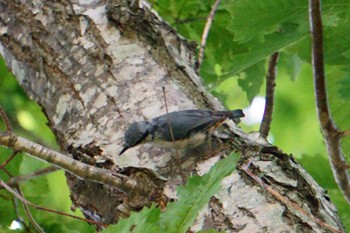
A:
(253, 20)
(342, 207)
(36, 190)
(6, 217)
(30, 165)
(192, 197)
(13, 165)
(145, 221)
(292, 64)
(251, 80)
(5, 229)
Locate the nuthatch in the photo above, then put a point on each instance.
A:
(190, 128)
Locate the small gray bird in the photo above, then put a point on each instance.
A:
(190, 128)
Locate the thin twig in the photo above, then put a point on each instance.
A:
(84, 171)
(329, 129)
(21, 198)
(43, 171)
(25, 206)
(19, 218)
(8, 160)
(344, 133)
(210, 19)
(270, 91)
(6, 120)
(29, 214)
(7, 172)
(172, 137)
(285, 200)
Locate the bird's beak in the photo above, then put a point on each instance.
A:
(123, 150)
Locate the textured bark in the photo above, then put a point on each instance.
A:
(96, 66)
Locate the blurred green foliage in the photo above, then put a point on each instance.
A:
(243, 35)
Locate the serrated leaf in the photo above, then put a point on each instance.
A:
(252, 19)
(192, 197)
(145, 221)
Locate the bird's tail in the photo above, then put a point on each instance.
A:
(234, 114)
(237, 113)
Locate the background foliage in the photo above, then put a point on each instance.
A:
(241, 38)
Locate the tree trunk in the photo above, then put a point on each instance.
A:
(96, 66)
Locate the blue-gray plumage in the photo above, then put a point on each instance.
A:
(190, 128)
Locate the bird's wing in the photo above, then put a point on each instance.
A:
(186, 123)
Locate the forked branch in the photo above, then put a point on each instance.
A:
(331, 133)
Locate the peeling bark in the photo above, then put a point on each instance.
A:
(96, 66)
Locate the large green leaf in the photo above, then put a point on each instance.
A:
(192, 197)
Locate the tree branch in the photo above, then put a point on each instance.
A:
(285, 200)
(36, 226)
(81, 170)
(344, 133)
(330, 131)
(270, 91)
(24, 204)
(6, 120)
(210, 19)
(8, 160)
(19, 179)
(178, 160)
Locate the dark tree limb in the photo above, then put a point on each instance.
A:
(330, 131)
(270, 91)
